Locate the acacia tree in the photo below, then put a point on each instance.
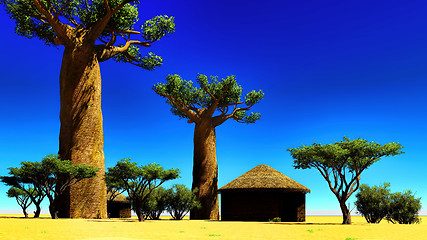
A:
(342, 163)
(25, 185)
(53, 176)
(22, 198)
(138, 181)
(208, 106)
(91, 31)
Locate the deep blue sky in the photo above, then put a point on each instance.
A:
(328, 69)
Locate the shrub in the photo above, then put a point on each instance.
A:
(373, 202)
(155, 204)
(404, 208)
(180, 200)
(276, 219)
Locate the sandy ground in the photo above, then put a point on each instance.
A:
(321, 228)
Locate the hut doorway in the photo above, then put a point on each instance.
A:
(287, 210)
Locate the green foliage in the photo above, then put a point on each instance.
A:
(148, 62)
(355, 155)
(22, 198)
(84, 15)
(404, 208)
(138, 181)
(276, 219)
(220, 95)
(342, 163)
(155, 203)
(373, 202)
(181, 200)
(157, 27)
(124, 19)
(45, 176)
(26, 26)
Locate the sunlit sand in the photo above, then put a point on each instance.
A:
(322, 228)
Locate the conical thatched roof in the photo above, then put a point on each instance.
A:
(118, 197)
(263, 177)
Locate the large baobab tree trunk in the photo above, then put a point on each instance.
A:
(81, 137)
(205, 171)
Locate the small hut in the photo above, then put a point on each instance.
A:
(118, 205)
(261, 194)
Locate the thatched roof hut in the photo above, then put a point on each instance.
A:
(118, 205)
(261, 194)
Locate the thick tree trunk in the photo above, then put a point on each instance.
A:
(205, 171)
(81, 137)
(38, 210)
(52, 210)
(138, 212)
(345, 213)
(24, 210)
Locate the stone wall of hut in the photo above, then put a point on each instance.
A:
(262, 206)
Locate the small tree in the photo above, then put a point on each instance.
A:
(373, 202)
(138, 181)
(207, 106)
(342, 163)
(155, 204)
(22, 198)
(404, 208)
(181, 200)
(25, 185)
(47, 174)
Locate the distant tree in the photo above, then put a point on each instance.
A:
(342, 163)
(90, 32)
(199, 105)
(180, 200)
(138, 181)
(373, 202)
(404, 208)
(25, 185)
(22, 198)
(46, 175)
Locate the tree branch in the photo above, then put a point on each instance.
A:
(58, 27)
(193, 116)
(112, 40)
(121, 31)
(325, 175)
(61, 10)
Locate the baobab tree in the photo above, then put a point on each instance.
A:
(342, 163)
(90, 31)
(199, 105)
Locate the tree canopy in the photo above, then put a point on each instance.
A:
(22, 198)
(138, 181)
(109, 23)
(342, 163)
(373, 202)
(52, 176)
(211, 96)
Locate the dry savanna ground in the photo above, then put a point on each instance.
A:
(315, 228)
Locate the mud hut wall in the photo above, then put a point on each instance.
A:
(249, 206)
(292, 207)
(262, 206)
(118, 209)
